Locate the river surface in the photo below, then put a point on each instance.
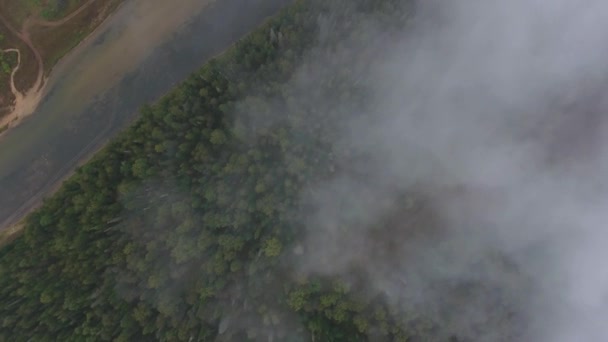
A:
(146, 48)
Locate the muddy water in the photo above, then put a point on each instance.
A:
(141, 52)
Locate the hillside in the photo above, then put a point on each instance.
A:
(201, 222)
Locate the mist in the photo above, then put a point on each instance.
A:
(465, 181)
(481, 141)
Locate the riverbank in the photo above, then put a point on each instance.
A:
(77, 116)
(41, 43)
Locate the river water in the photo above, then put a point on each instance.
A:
(141, 52)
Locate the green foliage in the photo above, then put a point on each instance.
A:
(178, 229)
(55, 9)
(6, 62)
(272, 247)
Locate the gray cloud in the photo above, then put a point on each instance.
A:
(490, 115)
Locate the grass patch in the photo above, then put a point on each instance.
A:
(19, 11)
(57, 9)
(54, 43)
(8, 61)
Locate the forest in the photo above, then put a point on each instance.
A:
(187, 226)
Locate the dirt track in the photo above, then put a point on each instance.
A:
(14, 90)
(26, 102)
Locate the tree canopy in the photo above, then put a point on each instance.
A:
(185, 227)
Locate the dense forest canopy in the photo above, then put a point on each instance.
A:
(200, 221)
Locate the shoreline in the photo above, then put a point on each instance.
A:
(15, 223)
(31, 98)
(62, 62)
(93, 147)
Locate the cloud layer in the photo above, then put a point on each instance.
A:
(490, 114)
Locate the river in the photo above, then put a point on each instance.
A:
(146, 48)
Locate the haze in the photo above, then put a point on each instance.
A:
(503, 99)
(349, 171)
